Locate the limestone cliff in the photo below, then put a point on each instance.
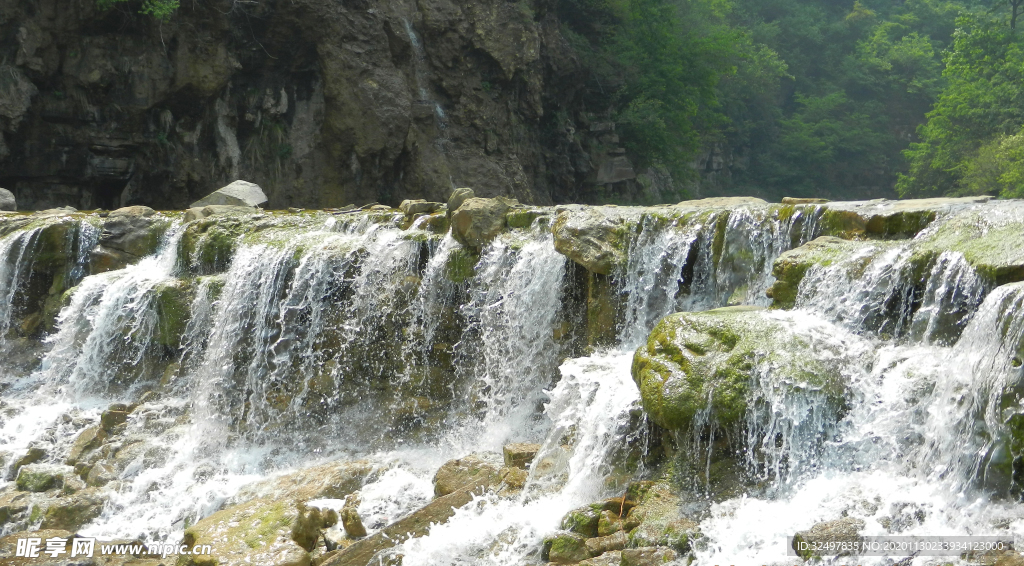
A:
(321, 103)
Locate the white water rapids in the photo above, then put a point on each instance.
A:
(340, 302)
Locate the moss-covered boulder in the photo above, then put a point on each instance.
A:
(74, 510)
(838, 532)
(566, 548)
(41, 477)
(173, 310)
(460, 266)
(693, 362)
(790, 268)
(475, 470)
(889, 219)
(260, 531)
(991, 240)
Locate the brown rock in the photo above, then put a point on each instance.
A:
(476, 470)
(520, 454)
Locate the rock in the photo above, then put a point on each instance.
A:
(173, 300)
(790, 267)
(418, 206)
(238, 193)
(215, 209)
(648, 556)
(350, 519)
(9, 548)
(519, 454)
(458, 197)
(115, 415)
(583, 520)
(614, 169)
(599, 545)
(306, 526)
(74, 511)
(566, 548)
(593, 237)
(478, 221)
(610, 558)
(101, 474)
(657, 520)
(128, 235)
(41, 477)
(991, 239)
(476, 470)
(31, 456)
(7, 200)
(889, 218)
(513, 480)
(415, 525)
(696, 361)
(333, 480)
(259, 531)
(845, 530)
(608, 523)
(721, 202)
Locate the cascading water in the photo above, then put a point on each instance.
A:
(345, 337)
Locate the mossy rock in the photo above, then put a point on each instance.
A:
(657, 520)
(524, 217)
(461, 265)
(566, 548)
(208, 245)
(889, 219)
(583, 521)
(256, 532)
(992, 241)
(173, 310)
(696, 361)
(41, 477)
(790, 268)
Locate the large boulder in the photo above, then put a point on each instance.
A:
(7, 200)
(841, 531)
(476, 470)
(128, 235)
(693, 362)
(259, 531)
(477, 221)
(238, 193)
(790, 268)
(594, 237)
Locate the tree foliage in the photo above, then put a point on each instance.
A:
(159, 9)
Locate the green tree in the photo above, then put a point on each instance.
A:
(159, 9)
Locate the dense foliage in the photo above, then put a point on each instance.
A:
(159, 9)
(808, 97)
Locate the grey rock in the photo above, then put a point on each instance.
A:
(238, 193)
(479, 220)
(647, 556)
(418, 206)
(458, 197)
(7, 200)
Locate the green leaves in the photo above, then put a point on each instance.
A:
(159, 9)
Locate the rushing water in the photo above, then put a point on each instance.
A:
(341, 338)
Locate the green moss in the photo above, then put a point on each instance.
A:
(523, 217)
(173, 310)
(693, 361)
(461, 265)
(33, 479)
(566, 548)
(993, 245)
(582, 521)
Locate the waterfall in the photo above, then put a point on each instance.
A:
(250, 345)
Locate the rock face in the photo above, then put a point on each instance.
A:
(7, 200)
(238, 193)
(128, 235)
(695, 361)
(157, 114)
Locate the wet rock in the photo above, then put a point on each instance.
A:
(583, 520)
(648, 556)
(608, 523)
(890, 219)
(238, 193)
(790, 268)
(101, 474)
(991, 239)
(513, 480)
(41, 477)
(31, 456)
(115, 415)
(74, 511)
(657, 520)
(214, 210)
(519, 454)
(593, 237)
(600, 545)
(458, 197)
(612, 558)
(419, 206)
(173, 310)
(415, 525)
(845, 530)
(696, 361)
(260, 531)
(7, 200)
(476, 470)
(128, 235)
(9, 548)
(306, 526)
(566, 548)
(334, 480)
(350, 519)
(478, 221)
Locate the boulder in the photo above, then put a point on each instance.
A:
(197, 213)
(238, 193)
(594, 237)
(350, 519)
(259, 531)
(707, 360)
(333, 480)
(479, 220)
(647, 556)
(583, 521)
(74, 511)
(128, 235)
(991, 239)
(566, 548)
(418, 206)
(891, 219)
(519, 454)
(7, 200)
(610, 558)
(90, 438)
(458, 197)
(476, 470)
(803, 200)
(41, 477)
(790, 267)
(31, 456)
(845, 530)
(599, 545)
